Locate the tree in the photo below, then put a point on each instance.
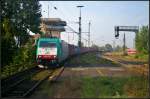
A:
(118, 48)
(108, 47)
(141, 40)
(102, 48)
(22, 14)
(16, 17)
(8, 46)
(95, 46)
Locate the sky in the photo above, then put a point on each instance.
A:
(103, 15)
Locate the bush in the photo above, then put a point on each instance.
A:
(141, 40)
(23, 59)
(141, 56)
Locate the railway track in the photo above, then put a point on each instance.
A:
(136, 68)
(13, 80)
(9, 83)
(25, 86)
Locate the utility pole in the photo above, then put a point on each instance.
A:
(79, 42)
(48, 11)
(113, 45)
(89, 34)
(134, 43)
(124, 45)
(92, 42)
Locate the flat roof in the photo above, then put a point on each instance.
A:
(53, 21)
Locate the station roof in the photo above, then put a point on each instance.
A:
(55, 28)
(53, 21)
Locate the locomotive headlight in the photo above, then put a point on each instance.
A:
(39, 56)
(54, 56)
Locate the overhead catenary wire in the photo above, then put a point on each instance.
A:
(73, 31)
(68, 21)
(58, 10)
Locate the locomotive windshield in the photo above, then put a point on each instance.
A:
(47, 44)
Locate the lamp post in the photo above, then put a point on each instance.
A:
(79, 42)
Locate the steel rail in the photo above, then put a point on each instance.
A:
(9, 84)
(32, 85)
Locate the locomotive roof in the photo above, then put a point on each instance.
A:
(48, 39)
(57, 40)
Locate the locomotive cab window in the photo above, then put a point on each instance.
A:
(47, 44)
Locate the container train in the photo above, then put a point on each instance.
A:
(53, 51)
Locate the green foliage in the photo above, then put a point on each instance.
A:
(141, 40)
(118, 48)
(108, 47)
(91, 59)
(114, 87)
(18, 16)
(102, 87)
(25, 54)
(141, 56)
(95, 46)
(17, 51)
(137, 86)
(8, 45)
(24, 58)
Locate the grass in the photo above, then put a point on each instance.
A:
(108, 87)
(12, 69)
(91, 59)
(97, 87)
(143, 57)
(136, 57)
(40, 75)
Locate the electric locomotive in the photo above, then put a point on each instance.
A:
(51, 51)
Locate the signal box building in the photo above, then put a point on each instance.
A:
(52, 27)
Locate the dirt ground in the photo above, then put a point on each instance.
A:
(69, 86)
